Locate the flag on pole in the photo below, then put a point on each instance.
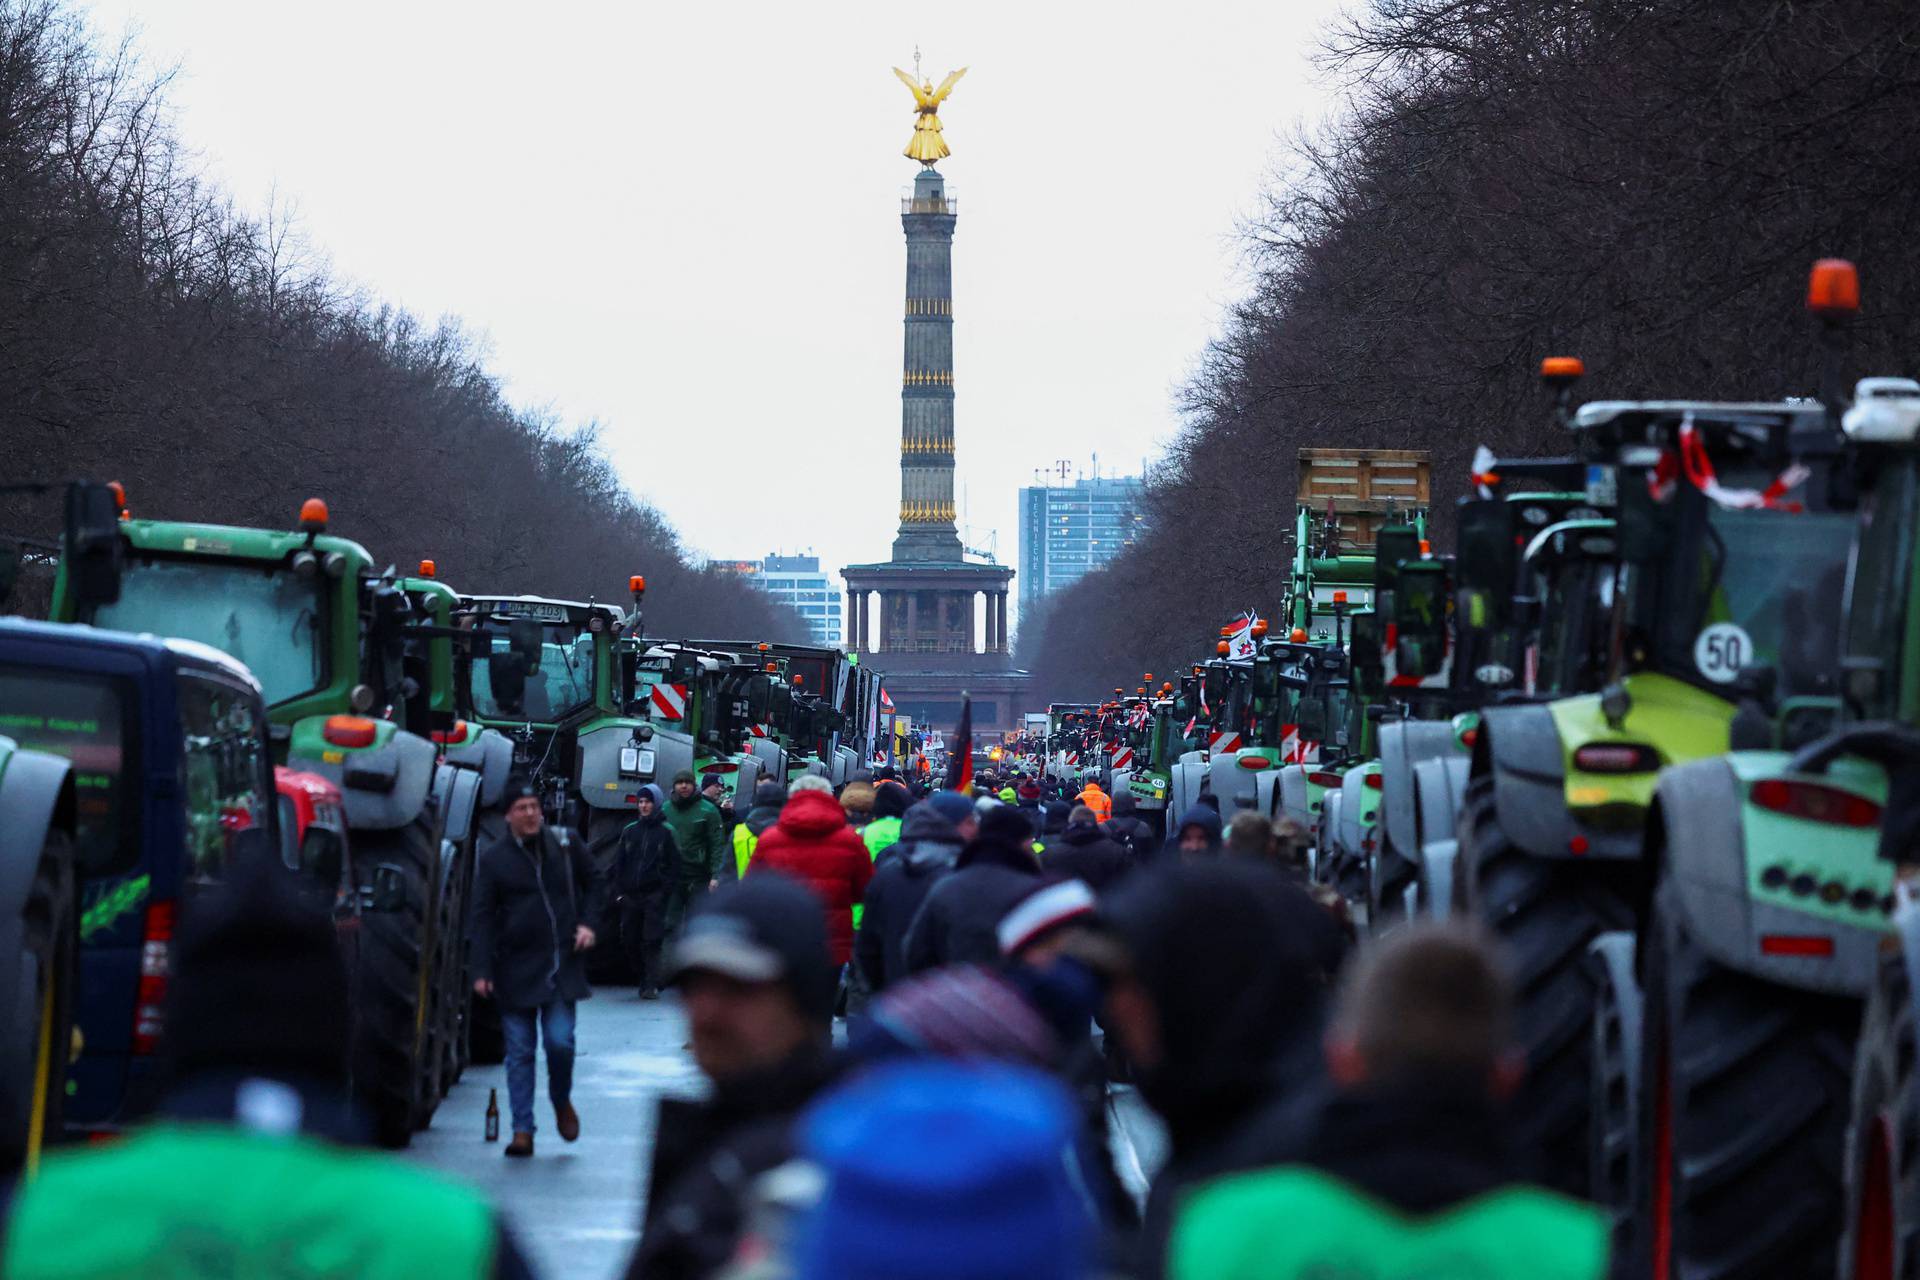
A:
(960, 755)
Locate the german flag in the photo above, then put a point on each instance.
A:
(960, 753)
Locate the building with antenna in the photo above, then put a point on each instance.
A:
(1069, 530)
(935, 620)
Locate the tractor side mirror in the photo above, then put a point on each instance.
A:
(92, 547)
(1312, 722)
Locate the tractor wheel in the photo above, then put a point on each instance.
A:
(1743, 1116)
(32, 1104)
(486, 1042)
(450, 971)
(393, 1062)
(1392, 875)
(1545, 913)
(1613, 1088)
(1882, 1215)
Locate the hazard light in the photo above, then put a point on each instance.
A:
(1815, 802)
(798, 679)
(349, 731)
(1259, 628)
(764, 647)
(1255, 762)
(313, 515)
(1298, 635)
(1557, 369)
(637, 583)
(772, 666)
(427, 568)
(452, 737)
(1339, 597)
(1223, 648)
(1833, 288)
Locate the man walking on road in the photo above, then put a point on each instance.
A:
(646, 865)
(701, 833)
(532, 890)
(752, 970)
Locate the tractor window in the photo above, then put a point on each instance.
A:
(1880, 596)
(1752, 588)
(227, 772)
(562, 685)
(265, 616)
(89, 719)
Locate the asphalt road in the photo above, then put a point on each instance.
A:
(576, 1206)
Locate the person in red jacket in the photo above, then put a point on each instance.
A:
(812, 843)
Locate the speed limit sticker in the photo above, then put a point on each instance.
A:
(1723, 651)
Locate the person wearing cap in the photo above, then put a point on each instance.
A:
(1408, 1167)
(959, 1170)
(769, 797)
(812, 843)
(752, 970)
(928, 848)
(533, 890)
(250, 1166)
(1198, 835)
(1096, 799)
(645, 865)
(714, 791)
(957, 922)
(700, 832)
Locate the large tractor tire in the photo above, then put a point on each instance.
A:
(30, 1105)
(1743, 1112)
(453, 989)
(1545, 912)
(395, 1070)
(486, 1042)
(1882, 1214)
(1614, 1081)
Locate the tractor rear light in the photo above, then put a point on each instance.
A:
(349, 731)
(1816, 802)
(1812, 945)
(1578, 846)
(1616, 757)
(452, 737)
(156, 964)
(1373, 781)
(1324, 779)
(1255, 762)
(1470, 738)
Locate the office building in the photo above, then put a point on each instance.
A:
(1068, 531)
(797, 581)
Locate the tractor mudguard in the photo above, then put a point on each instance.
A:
(1404, 744)
(1188, 776)
(1231, 785)
(1438, 784)
(773, 760)
(489, 752)
(32, 784)
(459, 791)
(1266, 792)
(382, 790)
(1350, 833)
(1530, 788)
(1714, 853)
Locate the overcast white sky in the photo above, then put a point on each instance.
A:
(682, 220)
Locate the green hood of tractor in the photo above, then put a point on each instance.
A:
(1679, 721)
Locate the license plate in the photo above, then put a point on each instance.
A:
(1603, 485)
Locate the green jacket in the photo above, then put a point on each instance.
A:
(702, 834)
(179, 1200)
(1294, 1222)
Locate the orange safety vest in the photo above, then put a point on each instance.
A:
(1098, 801)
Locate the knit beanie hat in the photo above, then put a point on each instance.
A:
(890, 800)
(951, 805)
(769, 793)
(944, 1171)
(257, 981)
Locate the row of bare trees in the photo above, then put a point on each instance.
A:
(1639, 183)
(150, 332)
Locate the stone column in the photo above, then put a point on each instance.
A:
(913, 621)
(1000, 621)
(983, 635)
(853, 621)
(886, 621)
(994, 639)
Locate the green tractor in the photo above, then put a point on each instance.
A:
(1728, 554)
(706, 710)
(346, 661)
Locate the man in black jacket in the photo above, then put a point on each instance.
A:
(959, 921)
(532, 890)
(1125, 826)
(927, 850)
(1083, 852)
(644, 868)
(753, 972)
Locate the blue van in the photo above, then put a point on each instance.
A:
(173, 778)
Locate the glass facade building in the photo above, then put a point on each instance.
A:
(1067, 531)
(797, 581)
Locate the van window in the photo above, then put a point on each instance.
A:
(88, 718)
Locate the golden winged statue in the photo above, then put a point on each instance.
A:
(926, 145)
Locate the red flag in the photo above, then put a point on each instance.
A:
(960, 753)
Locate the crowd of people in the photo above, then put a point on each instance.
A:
(999, 961)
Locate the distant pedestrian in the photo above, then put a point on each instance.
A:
(1126, 827)
(249, 1167)
(812, 843)
(700, 832)
(857, 799)
(752, 970)
(532, 890)
(1094, 798)
(928, 848)
(714, 791)
(1198, 835)
(958, 922)
(1411, 1149)
(646, 865)
(768, 799)
(1250, 835)
(1083, 852)
(890, 803)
